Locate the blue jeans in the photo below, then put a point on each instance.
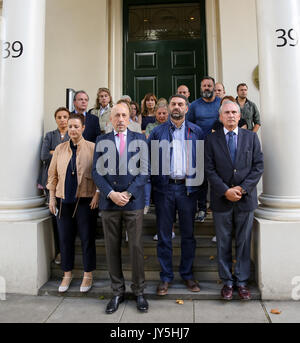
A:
(147, 193)
(166, 204)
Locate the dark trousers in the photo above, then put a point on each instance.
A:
(112, 228)
(202, 196)
(67, 229)
(166, 204)
(226, 223)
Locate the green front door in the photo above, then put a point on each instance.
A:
(164, 48)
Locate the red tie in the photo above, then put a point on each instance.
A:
(122, 143)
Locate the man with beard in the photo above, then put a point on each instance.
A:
(173, 190)
(204, 112)
(249, 110)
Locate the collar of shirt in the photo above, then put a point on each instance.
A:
(124, 133)
(82, 113)
(236, 131)
(177, 128)
(103, 109)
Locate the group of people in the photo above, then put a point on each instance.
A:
(104, 159)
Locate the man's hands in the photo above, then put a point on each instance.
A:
(234, 194)
(120, 199)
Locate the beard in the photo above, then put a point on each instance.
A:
(177, 115)
(206, 94)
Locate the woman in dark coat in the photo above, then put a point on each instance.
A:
(51, 141)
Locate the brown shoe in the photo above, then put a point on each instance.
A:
(244, 293)
(192, 285)
(162, 288)
(226, 292)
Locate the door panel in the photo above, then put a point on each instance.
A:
(159, 66)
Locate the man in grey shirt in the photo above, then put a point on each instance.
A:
(249, 110)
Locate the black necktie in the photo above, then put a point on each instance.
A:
(231, 146)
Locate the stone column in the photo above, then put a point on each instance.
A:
(23, 223)
(278, 217)
(22, 109)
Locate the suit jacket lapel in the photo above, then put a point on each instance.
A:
(240, 140)
(223, 143)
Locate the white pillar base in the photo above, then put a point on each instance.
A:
(26, 251)
(277, 258)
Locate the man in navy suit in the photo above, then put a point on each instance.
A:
(174, 191)
(120, 171)
(92, 127)
(233, 166)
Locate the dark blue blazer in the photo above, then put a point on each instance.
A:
(164, 132)
(92, 127)
(108, 174)
(223, 174)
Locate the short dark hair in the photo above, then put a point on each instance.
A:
(61, 109)
(178, 96)
(78, 116)
(78, 92)
(241, 85)
(208, 78)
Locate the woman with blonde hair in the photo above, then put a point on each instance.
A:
(102, 107)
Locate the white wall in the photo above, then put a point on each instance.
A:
(76, 52)
(238, 44)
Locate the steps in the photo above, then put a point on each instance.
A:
(205, 265)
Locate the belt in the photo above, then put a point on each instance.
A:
(177, 181)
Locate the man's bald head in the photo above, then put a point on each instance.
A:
(119, 117)
(183, 90)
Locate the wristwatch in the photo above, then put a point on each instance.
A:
(129, 194)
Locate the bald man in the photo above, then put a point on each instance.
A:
(183, 90)
(121, 186)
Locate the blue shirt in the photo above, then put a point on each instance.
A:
(178, 160)
(204, 114)
(235, 136)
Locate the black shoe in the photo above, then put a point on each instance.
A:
(113, 305)
(141, 303)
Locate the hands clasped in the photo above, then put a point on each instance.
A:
(234, 194)
(120, 199)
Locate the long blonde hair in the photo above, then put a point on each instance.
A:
(103, 89)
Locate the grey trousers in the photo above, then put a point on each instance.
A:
(238, 224)
(112, 227)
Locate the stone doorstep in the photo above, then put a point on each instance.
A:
(204, 246)
(210, 290)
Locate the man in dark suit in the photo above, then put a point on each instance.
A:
(92, 127)
(120, 171)
(233, 166)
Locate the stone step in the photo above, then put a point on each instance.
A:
(150, 228)
(210, 290)
(204, 268)
(204, 246)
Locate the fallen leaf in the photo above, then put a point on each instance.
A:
(180, 302)
(101, 298)
(219, 282)
(212, 258)
(275, 311)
